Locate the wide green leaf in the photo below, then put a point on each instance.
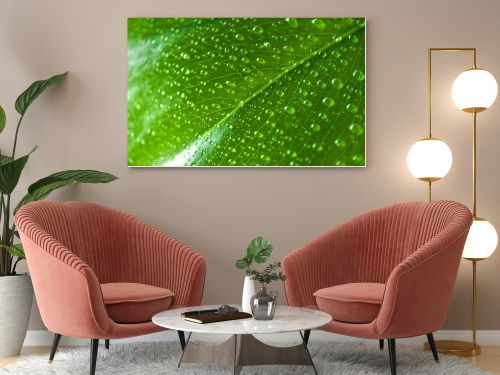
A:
(29, 95)
(42, 193)
(43, 187)
(3, 119)
(76, 175)
(15, 250)
(250, 92)
(10, 172)
(4, 159)
(242, 263)
(259, 250)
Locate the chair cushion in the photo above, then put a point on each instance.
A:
(135, 303)
(351, 303)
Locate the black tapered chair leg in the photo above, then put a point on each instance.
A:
(94, 346)
(307, 333)
(182, 339)
(106, 344)
(432, 344)
(392, 355)
(55, 344)
(381, 344)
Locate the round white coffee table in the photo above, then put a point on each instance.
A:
(242, 348)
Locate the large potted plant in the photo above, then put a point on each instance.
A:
(258, 251)
(16, 291)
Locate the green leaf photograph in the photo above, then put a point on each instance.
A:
(254, 92)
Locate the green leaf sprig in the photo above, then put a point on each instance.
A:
(269, 274)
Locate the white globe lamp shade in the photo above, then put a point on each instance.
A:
(429, 159)
(474, 90)
(481, 241)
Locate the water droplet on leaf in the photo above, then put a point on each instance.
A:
(316, 127)
(292, 22)
(358, 75)
(258, 30)
(329, 102)
(318, 23)
(337, 83)
(353, 108)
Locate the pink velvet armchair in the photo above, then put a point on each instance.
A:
(385, 274)
(99, 273)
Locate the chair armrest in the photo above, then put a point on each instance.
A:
(321, 263)
(419, 289)
(165, 262)
(66, 289)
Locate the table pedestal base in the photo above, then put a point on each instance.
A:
(246, 350)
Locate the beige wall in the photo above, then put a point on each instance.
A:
(83, 124)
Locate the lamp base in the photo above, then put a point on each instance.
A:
(456, 348)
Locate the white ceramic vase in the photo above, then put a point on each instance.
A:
(248, 292)
(16, 298)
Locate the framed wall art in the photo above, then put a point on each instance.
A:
(254, 92)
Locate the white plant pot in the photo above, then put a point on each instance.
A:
(248, 292)
(16, 298)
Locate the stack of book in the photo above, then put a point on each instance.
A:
(213, 316)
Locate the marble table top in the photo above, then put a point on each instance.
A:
(286, 319)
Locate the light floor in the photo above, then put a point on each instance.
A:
(488, 360)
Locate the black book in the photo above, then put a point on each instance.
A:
(190, 314)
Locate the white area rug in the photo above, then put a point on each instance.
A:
(162, 358)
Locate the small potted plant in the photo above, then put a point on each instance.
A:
(258, 251)
(263, 304)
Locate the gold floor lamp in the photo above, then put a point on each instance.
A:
(430, 159)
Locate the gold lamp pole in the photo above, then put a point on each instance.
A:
(475, 349)
(473, 91)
